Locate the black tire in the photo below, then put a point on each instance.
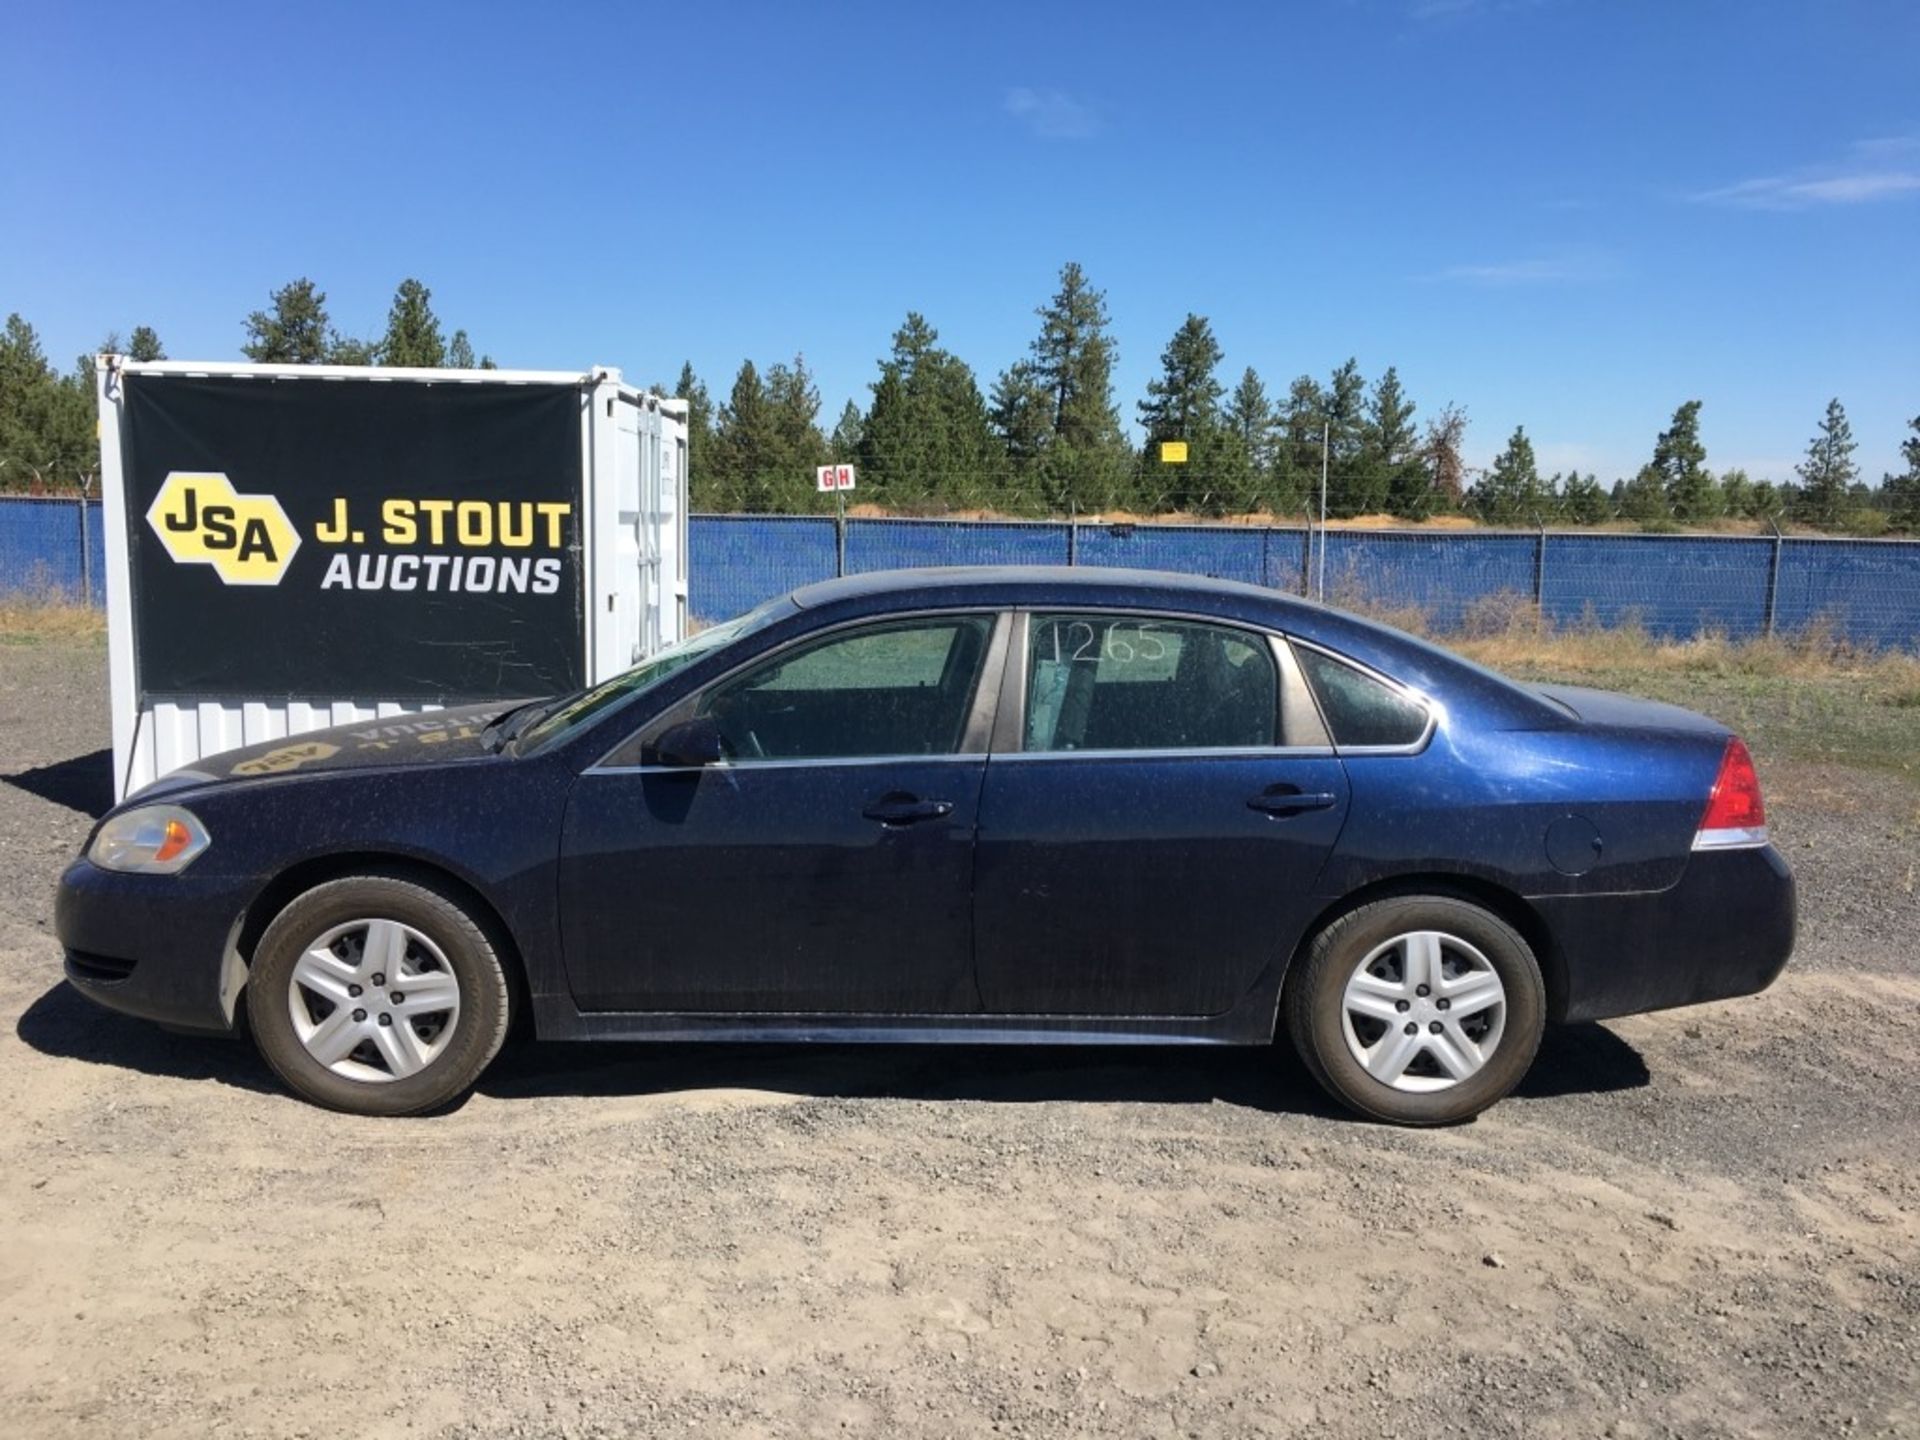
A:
(476, 1032)
(1315, 998)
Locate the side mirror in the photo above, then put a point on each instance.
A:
(692, 743)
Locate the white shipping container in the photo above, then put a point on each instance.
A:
(618, 576)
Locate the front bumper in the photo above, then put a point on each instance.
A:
(1724, 930)
(157, 946)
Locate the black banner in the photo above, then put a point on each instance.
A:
(354, 539)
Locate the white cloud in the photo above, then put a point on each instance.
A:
(1421, 10)
(1879, 169)
(1052, 114)
(1569, 268)
(1441, 12)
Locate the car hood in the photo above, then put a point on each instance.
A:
(1608, 709)
(436, 737)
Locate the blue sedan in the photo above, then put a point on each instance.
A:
(1066, 806)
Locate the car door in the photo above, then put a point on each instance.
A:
(825, 863)
(1160, 800)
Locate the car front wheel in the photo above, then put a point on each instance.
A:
(377, 995)
(1418, 1009)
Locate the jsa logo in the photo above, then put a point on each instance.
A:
(202, 520)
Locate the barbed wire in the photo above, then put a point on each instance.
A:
(1169, 493)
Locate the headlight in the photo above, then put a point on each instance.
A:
(153, 840)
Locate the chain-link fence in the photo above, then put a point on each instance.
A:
(52, 550)
(1866, 592)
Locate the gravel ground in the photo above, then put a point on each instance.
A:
(1702, 1223)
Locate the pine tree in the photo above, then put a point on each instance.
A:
(1348, 493)
(26, 403)
(843, 446)
(1583, 502)
(1736, 493)
(346, 350)
(145, 345)
(1681, 461)
(1392, 476)
(1053, 411)
(927, 436)
(1250, 416)
(1828, 471)
(1903, 491)
(295, 332)
(47, 433)
(460, 352)
(1183, 404)
(1296, 463)
(745, 446)
(1021, 411)
(1073, 359)
(1443, 458)
(793, 406)
(413, 331)
(1510, 492)
(1247, 455)
(1644, 498)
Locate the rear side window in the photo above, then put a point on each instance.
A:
(1359, 709)
(1117, 682)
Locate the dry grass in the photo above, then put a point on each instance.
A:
(36, 622)
(1810, 697)
(1503, 637)
(1503, 630)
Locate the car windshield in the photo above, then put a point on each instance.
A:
(574, 710)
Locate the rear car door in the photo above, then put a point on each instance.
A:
(825, 864)
(1161, 798)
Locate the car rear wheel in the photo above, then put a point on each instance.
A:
(378, 996)
(1419, 1009)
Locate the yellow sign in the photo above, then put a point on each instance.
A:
(1173, 452)
(202, 520)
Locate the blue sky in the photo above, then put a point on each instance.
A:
(1568, 215)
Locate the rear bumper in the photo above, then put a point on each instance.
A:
(155, 946)
(1725, 930)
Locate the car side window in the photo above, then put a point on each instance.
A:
(1124, 682)
(901, 688)
(1360, 710)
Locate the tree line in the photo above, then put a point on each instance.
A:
(47, 436)
(1046, 437)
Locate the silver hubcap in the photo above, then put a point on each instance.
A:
(1424, 1011)
(374, 1000)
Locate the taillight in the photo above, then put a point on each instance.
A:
(1735, 814)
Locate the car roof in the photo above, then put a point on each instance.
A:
(1404, 657)
(1090, 580)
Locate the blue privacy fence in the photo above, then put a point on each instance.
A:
(51, 550)
(1675, 585)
